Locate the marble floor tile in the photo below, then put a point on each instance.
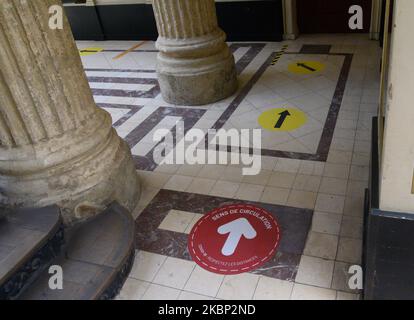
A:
(305, 292)
(176, 220)
(157, 292)
(321, 245)
(273, 289)
(174, 273)
(238, 287)
(146, 265)
(315, 271)
(133, 289)
(349, 250)
(326, 223)
(204, 282)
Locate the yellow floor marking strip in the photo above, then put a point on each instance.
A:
(278, 55)
(129, 50)
(89, 51)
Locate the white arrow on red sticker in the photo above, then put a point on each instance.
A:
(236, 229)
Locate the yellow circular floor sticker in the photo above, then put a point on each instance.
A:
(282, 119)
(306, 67)
(89, 51)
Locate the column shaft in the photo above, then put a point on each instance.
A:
(56, 145)
(195, 65)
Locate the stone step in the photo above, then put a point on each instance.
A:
(29, 240)
(96, 261)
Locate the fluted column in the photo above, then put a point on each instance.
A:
(56, 145)
(195, 65)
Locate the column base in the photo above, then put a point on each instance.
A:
(198, 81)
(82, 185)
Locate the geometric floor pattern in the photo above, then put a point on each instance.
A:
(312, 178)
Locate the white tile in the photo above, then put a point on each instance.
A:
(354, 206)
(201, 185)
(352, 227)
(287, 165)
(146, 265)
(168, 168)
(311, 168)
(275, 195)
(282, 179)
(185, 295)
(346, 296)
(302, 199)
(333, 186)
(176, 220)
(305, 292)
(339, 144)
(204, 282)
(307, 183)
(261, 179)
(238, 287)
(192, 223)
(361, 159)
(321, 245)
(231, 173)
(174, 272)
(178, 183)
(341, 277)
(330, 203)
(349, 250)
(356, 188)
(326, 223)
(133, 289)
(153, 179)
(190, 170)
(157, 292)
(315, 271)
(224, 189)
(273, 289)
(340, 171)
(212, 171)
(359, 173)
(249, 192)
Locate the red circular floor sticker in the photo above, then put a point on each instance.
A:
(234, 239)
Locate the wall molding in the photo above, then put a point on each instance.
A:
(290, 25)
(375, 19)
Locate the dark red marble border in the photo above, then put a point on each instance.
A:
(132, 110)
(190, 115)
(294, 223)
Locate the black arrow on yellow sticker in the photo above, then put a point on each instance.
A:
(306, 67)
(91, 51)
(282, 119)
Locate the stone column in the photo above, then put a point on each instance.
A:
(56, 145)
(195, 65)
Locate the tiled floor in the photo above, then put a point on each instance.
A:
(320, 169)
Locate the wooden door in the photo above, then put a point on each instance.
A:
(330, 16)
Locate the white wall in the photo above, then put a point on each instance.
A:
(398, 150)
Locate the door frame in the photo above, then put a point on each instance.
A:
(291, 29)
